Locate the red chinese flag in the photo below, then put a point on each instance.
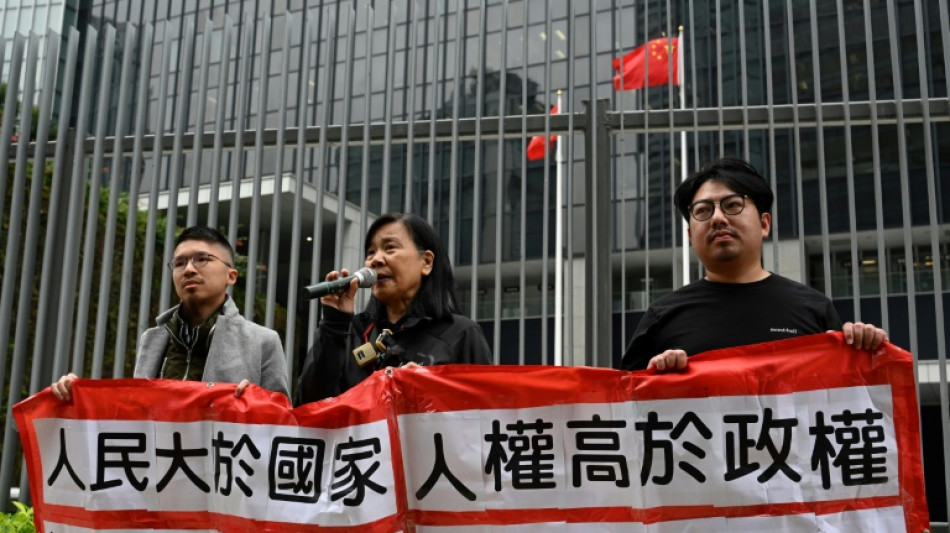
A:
(658, 54)
(537, 146)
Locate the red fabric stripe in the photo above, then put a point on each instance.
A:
(732, 372)
(367, 331)
(198, 520)
(645, 516)
(208, 520)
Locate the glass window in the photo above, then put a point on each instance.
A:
(472, 21)
(581, 37)
(9, 27)
(380, 41)
(515, 48)
(359, 76)
(604, 23)
(494, 16)
(449, 26)
(39, 22)
(379, 78)
(538, 11)
(516, 14)
(537, 44)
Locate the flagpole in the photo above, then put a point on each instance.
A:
(559, 252)
(683, 152)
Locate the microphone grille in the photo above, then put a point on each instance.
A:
(367, 277)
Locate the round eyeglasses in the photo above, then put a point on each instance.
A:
(199, 259)
(730, 205)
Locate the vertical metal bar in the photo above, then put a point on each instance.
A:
(197, 147)
(849, 166)
(523, 252)
(719, 104)
(175, 167)
(158, 156)
(476, 177)
(292, 284)
(388, 133)
(546, 201)
(28, 268)
(273, 261)
(621, 172)
(48, 301)
(3, 49)
(323, 171)
(876, 164)
(454, 153)
(411, 109)
(820, 142)
(77, 196)
(254, 237)
(744, 82)
(922, 59)
(692, 71)
(10, 102)
(345, 144)
(797, 134)
(367, 111)
(645, 170)
(131, 221)
(244, 98)
(944, 401)
(12, 244)
(499, 180)
(679, 274)
(905, 182)
(105, 274)
(770, 106)
(10, 269)
(598, 216)
(92, 210)
(598, 306)
(217, 157)
(362, 296)
(569, 191)
(433, 110)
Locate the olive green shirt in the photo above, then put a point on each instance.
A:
(187, 349)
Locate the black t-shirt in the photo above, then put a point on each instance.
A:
(706, 315)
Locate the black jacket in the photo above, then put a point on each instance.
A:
(331, 368)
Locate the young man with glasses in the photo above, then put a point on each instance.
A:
(205, 338)
(727, 205)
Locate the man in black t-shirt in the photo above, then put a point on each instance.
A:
(726, 205)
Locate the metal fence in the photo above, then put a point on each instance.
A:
(292, 130)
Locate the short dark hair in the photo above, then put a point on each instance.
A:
(736, 174)
(436, 297)
(206, 234)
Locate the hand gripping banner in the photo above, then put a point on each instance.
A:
(803, 435)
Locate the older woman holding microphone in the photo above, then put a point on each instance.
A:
(412, 317)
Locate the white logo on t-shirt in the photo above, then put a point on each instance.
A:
(790, 331)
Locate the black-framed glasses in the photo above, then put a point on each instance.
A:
(199, 259)
(730, 205)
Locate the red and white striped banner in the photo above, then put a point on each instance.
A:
(806, 434)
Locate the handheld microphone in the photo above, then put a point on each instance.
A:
(365, 275)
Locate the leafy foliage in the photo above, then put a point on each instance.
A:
(19, 522)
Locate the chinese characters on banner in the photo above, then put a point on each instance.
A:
(801, 435)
